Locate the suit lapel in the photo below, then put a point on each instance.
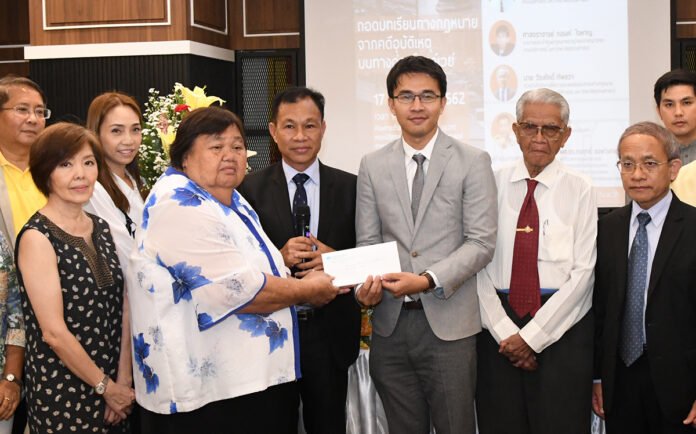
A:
(671, 230)
(325, 208)
(620, 251)
(397, 170)
(279, 192)
(436, 166)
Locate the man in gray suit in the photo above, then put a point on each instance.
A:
(436, 198)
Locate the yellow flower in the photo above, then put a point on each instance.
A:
(196, 98)
(167, 138)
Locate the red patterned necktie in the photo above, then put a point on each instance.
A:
(524, 281)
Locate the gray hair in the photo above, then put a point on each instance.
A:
(543, 96)
(660, 133)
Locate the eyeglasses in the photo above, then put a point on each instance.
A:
(24, 111)
(649, 166)
(425, 97)
(551, 132)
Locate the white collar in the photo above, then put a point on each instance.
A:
(312, 171)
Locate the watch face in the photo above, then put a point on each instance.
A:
(100, 388)
(10, 377)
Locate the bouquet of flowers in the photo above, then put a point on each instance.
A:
(163, 114)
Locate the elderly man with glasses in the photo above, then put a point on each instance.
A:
(645, 294)
(535, 354)
(23, 115)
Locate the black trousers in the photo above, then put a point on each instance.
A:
(635, 408)
(555, 398)
(273, 410)
(324, 384)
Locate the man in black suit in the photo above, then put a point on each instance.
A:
(329, 336)
(645, 295)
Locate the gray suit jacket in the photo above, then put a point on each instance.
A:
(6, 222)
(453, 236)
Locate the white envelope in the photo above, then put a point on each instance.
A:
(352, 266)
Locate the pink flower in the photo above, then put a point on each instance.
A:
(182, 108)
(163, 123)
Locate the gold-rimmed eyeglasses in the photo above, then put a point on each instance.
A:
(649, 166)
(551, 132)
(24, 111)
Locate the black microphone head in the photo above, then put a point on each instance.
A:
(302, 211)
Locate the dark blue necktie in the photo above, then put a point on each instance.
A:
(300, 193)
(631, 343)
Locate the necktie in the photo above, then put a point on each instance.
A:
(300, 197)
(631, 343)
(524, 280)
(417, 186)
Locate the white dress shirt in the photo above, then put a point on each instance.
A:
(567, 208)
(311, 188)
(411, 168)
(411, 165)
(658, 214)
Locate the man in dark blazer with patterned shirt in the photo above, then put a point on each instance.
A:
(645, 295)
(329, 336)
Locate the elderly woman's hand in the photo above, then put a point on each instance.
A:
(119, 398)
(319, 288)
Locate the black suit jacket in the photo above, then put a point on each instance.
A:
(267, 192)
(670, 317)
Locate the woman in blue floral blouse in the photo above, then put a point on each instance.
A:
(214, 333)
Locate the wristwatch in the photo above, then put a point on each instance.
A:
(100, 388)
(431, 282)
(11, 378)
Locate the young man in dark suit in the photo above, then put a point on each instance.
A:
(645, 295)
(329, 336)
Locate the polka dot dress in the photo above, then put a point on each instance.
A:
(92, 288)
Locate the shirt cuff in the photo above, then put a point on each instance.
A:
(438, 291)
(534, 336)
(504, 329)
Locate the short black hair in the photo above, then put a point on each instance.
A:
(57, 144)
(201, 121)
(295, 94)
(673, 78)
(416, 65)
(12, 80)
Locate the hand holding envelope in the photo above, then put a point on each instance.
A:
(354, 266)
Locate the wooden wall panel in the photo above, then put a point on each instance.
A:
(95, 12)
(263, 16)
(210, 13)
(213, 15)
(14, 22)
(14, 31)
(14, 68)
(686, 11)
(127, 9)
(272, 16)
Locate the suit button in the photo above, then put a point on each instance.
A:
(414, 254)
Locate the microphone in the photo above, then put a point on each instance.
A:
(302, 221)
